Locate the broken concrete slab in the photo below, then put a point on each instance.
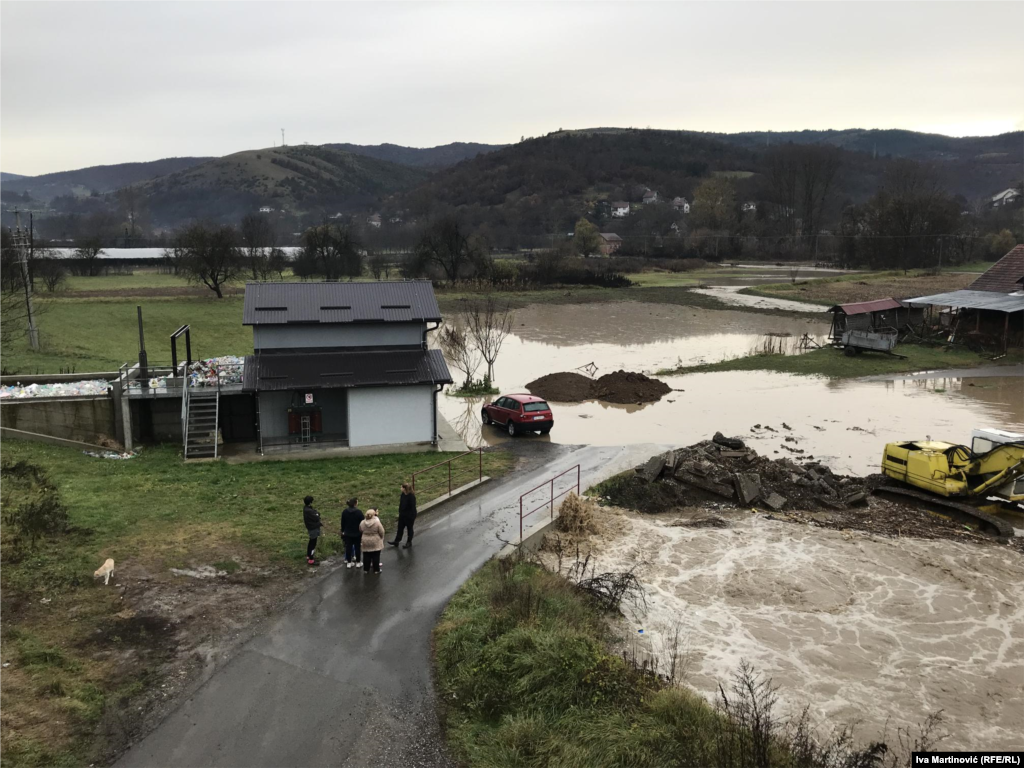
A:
(670, 462)
(726, 453)
(729, 442)
(708, 485)
(775, 501)
(748, 486)
(651, 471)
(860, 497)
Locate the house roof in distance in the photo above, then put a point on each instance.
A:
(338, 370)
(1005, 275)
(403, 301)
(610, 237)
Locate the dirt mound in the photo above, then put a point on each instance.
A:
(618, 387)
(629, 387)
(565, 387)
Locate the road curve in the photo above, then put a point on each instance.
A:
(343, 676)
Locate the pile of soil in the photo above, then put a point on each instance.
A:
(724, 474)
(618, 387)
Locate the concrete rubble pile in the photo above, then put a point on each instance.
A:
(725, 468)
(89, 388)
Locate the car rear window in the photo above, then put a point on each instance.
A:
(541, 406)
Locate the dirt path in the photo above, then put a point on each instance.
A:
(730, 294)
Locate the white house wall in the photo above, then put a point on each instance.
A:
(388, 415)
(337, 335)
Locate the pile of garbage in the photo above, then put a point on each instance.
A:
(91, 387)
(725, 470)
(617, 387)
(203, 373)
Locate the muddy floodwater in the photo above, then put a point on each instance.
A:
(862, 629)
(845, 423)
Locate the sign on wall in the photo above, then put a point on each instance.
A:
(309, 398)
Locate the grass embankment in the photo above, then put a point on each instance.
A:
(833, 363)
(527, 678)
(76, 649)
(830, 291)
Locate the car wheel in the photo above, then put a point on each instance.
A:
(545, 430)
(511, 428)
(485, 417)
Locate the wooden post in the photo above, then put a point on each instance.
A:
(1006, 331)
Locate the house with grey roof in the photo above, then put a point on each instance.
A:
(343, 364)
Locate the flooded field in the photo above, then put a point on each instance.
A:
(865, 630)
(845, 423)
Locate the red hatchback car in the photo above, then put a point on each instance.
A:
(519, 413)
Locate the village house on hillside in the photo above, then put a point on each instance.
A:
(266, 209)
(989, 309)
(374, 220)
(620, 209)
(610, 243)
(343, 364)
(650, 196)
(681, 204)
(1006, 197)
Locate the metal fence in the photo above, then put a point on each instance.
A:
(441, 479)
(565, 481)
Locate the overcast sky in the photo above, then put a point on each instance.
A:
(90, 83)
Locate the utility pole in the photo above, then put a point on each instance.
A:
(282, 137)
(940, 254)
(23, 244)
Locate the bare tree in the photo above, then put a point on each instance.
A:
(457, 346)
(88, 253)
(489, 325)
(205, 254)
(445, 245)
(379, 266)
(794, 273)
(258, 247)
(331, 251)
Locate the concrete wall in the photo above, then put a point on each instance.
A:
(386, 415)
(85, 420)
(286, 337)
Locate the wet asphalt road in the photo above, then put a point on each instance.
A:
(343, 676)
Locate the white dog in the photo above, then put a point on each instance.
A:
(106, 570)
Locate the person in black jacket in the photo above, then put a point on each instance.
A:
(351, 517)
(406, 515)
(312, 520)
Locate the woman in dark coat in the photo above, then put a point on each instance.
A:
(351, 517)
(312, 520)
(406, 515)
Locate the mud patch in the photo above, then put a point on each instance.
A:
(622, 387)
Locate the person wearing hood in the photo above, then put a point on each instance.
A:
(406, 515)
(351, 517)
(312, 520)
(372, 540)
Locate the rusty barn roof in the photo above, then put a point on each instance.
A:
(404, 301)
(865, 307)
(1004, 276)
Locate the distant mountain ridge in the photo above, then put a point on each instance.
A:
(426, 157)
(98, 178)
(4, 176)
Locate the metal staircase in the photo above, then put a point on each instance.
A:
(202, 409)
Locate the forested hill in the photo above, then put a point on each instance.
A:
(290, 180)
(98, 178)
(426, 157)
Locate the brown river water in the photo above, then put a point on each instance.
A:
(865, 630)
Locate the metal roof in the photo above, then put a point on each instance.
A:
(335, 370)
(998, 302)
(378, 302)
(864, 307)
(1005, 275)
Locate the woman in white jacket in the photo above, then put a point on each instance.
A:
(372, 531)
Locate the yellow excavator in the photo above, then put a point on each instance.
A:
(989, 475)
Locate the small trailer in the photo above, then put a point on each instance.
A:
(856, 341)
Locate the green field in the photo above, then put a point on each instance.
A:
(833, 363)
(150, 514)
(845, 289)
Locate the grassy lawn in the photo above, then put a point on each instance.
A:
(864, 287)
(527, 679)
(833, 363)
(77, 651)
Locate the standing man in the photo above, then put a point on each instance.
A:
(406, 515)
(351, 517)
(312, 520)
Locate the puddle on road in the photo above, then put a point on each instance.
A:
(860, 628)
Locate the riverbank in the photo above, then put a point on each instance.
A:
(833, 363)
(201, 551)
(846, 289)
